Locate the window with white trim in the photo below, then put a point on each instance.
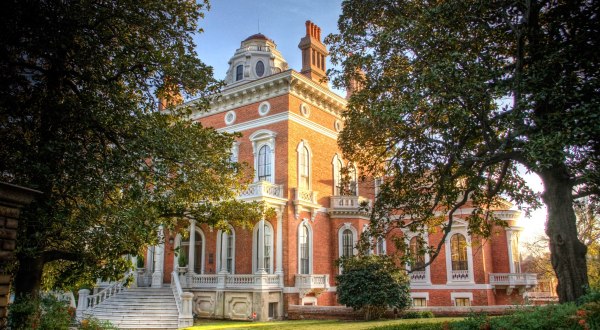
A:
(419, 302)
(381, 246)
(304, 162)
(337, 175)
(461, 299)
(263, 146)
(184, 248)
(239, 72)
(228, 249)
(264, 163)
(458, 245)
(347, 243)
(515, 255)
(416, 255)
(267, 247)
(304, 249)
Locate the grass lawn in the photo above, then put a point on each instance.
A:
(310, 324)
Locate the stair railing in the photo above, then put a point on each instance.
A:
(87, 301)
(183, 301)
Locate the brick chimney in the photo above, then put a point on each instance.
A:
(169, 97)
(314, 54)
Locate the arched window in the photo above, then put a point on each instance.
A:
(353, 184)
(418, 258)
(268, 247)
(304, 168)
(516, 258)
(347, 243)
(226, 245)
(458, 247)
(239, 72)
(260, 68)
(264, 163)
(304, 247)
(337, 175)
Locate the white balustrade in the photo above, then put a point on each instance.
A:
(460, 275)
(263, 189)
(306, 195)
(238, 281)
(348, 202)
(513, 279)
(183, 301)
(87, 301)
(312, 281)
(418, 276)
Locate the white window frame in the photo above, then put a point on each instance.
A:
(510, 236)
(310, 246)
(336, 162)
(420, 295)
(234, 153)
(304, 144)
(459, 227)
(220, 250)
(468, 295)
(408, 236)
(255, 243)
(345, 226)
(259, 139)
(179, 240)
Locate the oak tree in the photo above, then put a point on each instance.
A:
(456, 99)
(79, 122)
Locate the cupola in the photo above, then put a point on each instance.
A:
(256, 58)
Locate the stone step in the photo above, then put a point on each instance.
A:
(139, 308)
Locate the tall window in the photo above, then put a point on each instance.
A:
(303, 242)
(418, 258)
(230, 243)
(347, 243)
(516, 258)
(353, 184)
(268, 247)
(264, 163)
(458, 247)
(239, 72)
(381, 246)
(304, 167)
(185, 249)
(337, 175)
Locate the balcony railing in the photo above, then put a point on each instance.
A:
(344, 205)
(312, 281)
(262, 189)
(305, 200)
(460, 275)
(418, 276)
(513, 279)
(307, 196)
(235, 281)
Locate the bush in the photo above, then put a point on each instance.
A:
(42, 313)
(415, 326)
(181, 260)
(373, 284)
(417, 315)
(95, 324)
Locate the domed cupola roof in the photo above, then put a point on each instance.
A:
(258, 36)
(256, 58)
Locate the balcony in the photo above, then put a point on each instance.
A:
(305, 200)
(232, 281)
(344, 206)
(264, 191)
(311, 283)
(418, 276)
(511, 281)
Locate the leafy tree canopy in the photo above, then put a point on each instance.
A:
(455, 97)
(373, 284)
(79, 122)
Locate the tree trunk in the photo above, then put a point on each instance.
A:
(566, 251)
(28, 278)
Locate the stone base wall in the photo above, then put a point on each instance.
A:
(238, 305)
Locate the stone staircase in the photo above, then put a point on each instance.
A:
(139, 308)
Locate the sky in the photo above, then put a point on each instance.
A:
(228, 22)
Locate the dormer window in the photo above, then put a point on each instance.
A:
(260, 69)
(239, 72)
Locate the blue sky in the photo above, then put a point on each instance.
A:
(231, 21)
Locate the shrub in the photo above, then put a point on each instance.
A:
(373, 284)
(181, 260)
(417, 315)
(95, 324)
(44, 313)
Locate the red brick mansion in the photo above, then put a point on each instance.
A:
(289, 121)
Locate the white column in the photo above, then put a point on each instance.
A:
(224, 239)
(83, 302)
(260, 268)
(157, 276)
(279, 261)
(192, 247)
